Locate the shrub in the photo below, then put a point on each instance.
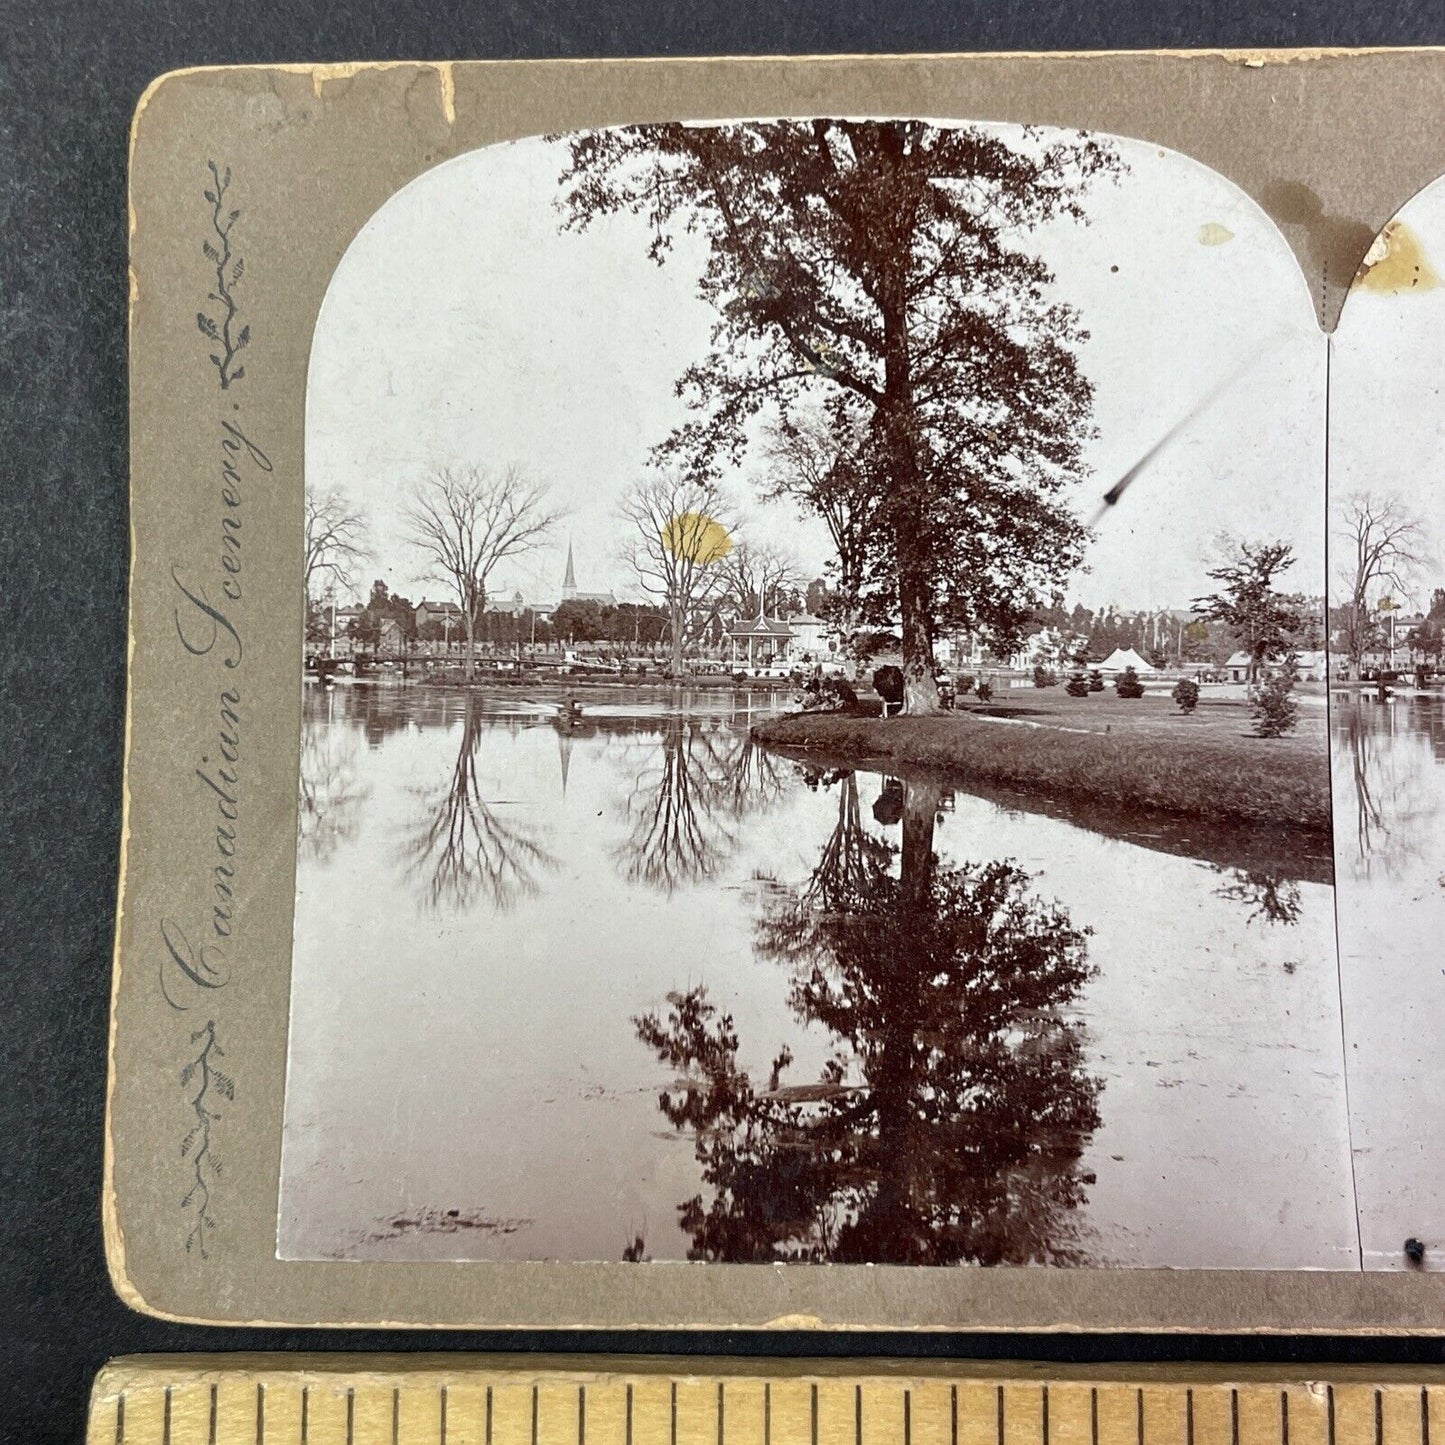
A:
(984, 689)
(1186, 694)
(1127, 684)
(964, 683)
(1043, 677)
(1273, 708)
(1096, 681)
(1077, 685)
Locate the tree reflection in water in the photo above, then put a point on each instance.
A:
(1385, 774)
(463, 848)
(329, 804)
(683, 805)
(1266, 896)
(949, 1123)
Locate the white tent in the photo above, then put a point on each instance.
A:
(1123, 657)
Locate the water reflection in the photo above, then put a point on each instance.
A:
(463, 847)
(331, 794)
(949, 1121)
(1387, 748)
(899, 1024)
(699, 779)
(1265, 897)
(1389, 791)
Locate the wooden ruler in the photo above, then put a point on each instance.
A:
(494, 1400)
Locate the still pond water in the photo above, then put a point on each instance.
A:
(1388, 762)
(636, 988)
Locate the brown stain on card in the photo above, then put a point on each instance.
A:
(1396, 263)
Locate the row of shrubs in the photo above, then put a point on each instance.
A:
(1272, 705)
(1081, 684)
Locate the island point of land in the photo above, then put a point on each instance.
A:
(1139, 754)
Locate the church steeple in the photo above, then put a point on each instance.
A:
(569, 582)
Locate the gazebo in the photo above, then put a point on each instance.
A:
(768, 635)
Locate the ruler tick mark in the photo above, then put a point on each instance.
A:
(1189, 1417)
(629, 1419)
(1139, 1416)
(953, 1415)
(534, 1415)
(1045, 1415)
(673, 1407)
(581, 1415)
(814, 1424)
(350, 1414)
(1330, 1412)
(395, 1414)
(858, 1414)
(211, 1432)
(719, 1412)
(1284, 1417)
(260, 1412)
(1424, 1416)
(1094, 1415)
(1000, 1415)
(1234, 1417)
(166, 1420)
(907, 1419)
(444, 1416)
(120, 1418)
(767, 1415)
(305, 1415)
(1379, 1419)
(489, 1419)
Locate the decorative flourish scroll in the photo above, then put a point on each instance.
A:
(220, 328)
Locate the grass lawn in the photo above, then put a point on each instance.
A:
(1138, 754)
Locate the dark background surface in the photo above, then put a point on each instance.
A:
(70, 78)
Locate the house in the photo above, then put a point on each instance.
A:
(446, 615)
(516, 605)
(1236, 667)
(1309, 666)
(810, 636)
(758, 641)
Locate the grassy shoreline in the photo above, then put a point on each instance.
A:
(1144, 763)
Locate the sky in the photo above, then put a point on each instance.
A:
(463, 326)
(1387, 432)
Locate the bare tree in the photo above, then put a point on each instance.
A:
(754, 573)
(679, 536)
(466, 520)
(1381, 544)
(336, 540)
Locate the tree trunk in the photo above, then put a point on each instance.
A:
(676, 623)
(920, 683)
(468, 665)
(921, 801)
(896, 415)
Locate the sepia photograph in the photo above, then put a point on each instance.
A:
(1387, 723)
(828, 676)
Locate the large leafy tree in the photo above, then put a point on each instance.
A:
(881, 270)
(1265, 621)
